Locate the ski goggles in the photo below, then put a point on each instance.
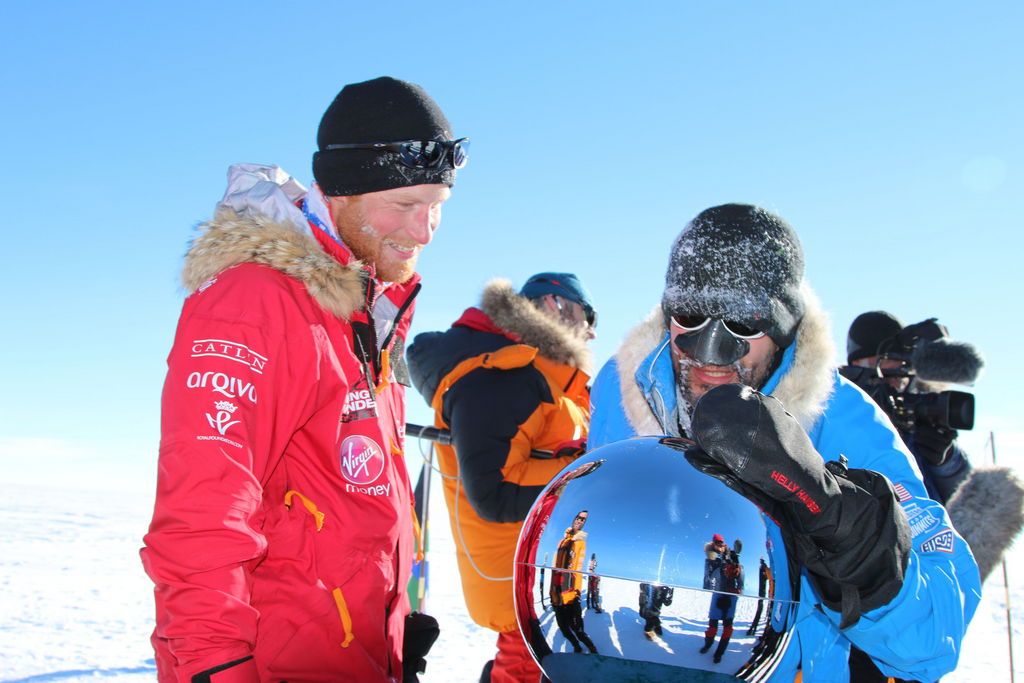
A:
(711, 341)
(417, 153)
(689, 324)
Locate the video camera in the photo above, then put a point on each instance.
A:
(924, 352)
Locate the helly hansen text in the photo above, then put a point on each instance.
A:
(802, 495)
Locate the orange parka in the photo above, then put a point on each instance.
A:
(567, 586)
(506, 380)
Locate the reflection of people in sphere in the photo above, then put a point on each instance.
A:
(593, 586)
(543, 606)
(723, 603)
(713, 551)
(652, 598)
(526, 555)
(765, 586)
(566, 586)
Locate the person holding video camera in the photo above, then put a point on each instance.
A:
(901, 367)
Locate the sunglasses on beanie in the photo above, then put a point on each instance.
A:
(417, 153)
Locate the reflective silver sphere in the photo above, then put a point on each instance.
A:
(633, 565)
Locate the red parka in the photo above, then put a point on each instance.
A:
(282, 529)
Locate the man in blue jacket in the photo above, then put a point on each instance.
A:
(738, 357)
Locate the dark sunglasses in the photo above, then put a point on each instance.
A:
(695, 323)
(581, 517)
(417, 153)
(589, 314)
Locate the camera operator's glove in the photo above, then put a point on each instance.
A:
(846, 525)
(932, 442)
(421, 630)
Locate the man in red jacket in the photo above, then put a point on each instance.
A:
(281, 541)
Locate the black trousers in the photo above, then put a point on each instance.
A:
(569, 618)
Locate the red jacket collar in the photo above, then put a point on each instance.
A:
(475, 319)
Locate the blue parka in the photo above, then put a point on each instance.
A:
(918, 634)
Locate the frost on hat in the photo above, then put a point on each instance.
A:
(741, 263)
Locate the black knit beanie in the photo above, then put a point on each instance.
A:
(741, 263)
(868, 331)
(382, 110)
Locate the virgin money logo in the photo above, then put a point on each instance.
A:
(362, 460)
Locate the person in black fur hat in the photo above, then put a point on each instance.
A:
(737, 357)
(943, 464)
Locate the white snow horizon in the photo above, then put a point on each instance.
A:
(78, 605)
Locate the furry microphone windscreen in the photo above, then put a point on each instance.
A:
(988, 511)
(945, 360)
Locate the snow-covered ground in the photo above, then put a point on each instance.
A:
(75, 604)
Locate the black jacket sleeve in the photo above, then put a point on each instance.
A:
(486, 411)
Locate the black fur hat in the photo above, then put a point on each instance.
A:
(381, 110)
(742, 263)
(868, 331)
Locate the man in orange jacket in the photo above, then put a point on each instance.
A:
(509, 378)
(567, 586)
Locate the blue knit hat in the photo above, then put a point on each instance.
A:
(565, 285)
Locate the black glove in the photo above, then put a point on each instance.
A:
(421, 630)
(933, 443)
(846, 525)
(570, 449)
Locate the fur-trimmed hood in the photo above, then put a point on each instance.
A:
(232, 238)
(518, 315)
(503, 318)
(803, 388)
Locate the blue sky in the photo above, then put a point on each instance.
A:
(888, 134)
